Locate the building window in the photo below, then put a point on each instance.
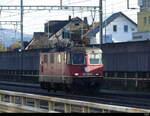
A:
(115, 28)
(132, 29)
(65, 34)
(76, 24)
(125, 28)
(145, 20)
(52, 58)
(59, 58)
(45, 59)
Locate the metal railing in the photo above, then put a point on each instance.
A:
(24, 102)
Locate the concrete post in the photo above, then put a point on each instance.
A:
(85, 109)
(36, 103)
(67, 108)
(23, 100)
(51, 106)
(103, 111)
(11, 99)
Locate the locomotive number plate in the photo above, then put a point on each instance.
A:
(87, 74)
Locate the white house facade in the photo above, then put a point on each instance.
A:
(117, 28)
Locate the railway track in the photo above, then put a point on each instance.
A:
(112, 99)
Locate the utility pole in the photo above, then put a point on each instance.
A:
(101, 22)
(61, 4)
(0, 17)
(21, 24)
(127, 4)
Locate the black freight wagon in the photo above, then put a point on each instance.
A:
(20, 66)
(126, 67)
(17, 62)
(127, 59)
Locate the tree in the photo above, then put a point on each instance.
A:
(14, 46)
(2, 47)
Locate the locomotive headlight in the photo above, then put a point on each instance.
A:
(87, 69)
(76, 74)
(97, 74)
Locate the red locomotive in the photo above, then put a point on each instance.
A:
(76, 69)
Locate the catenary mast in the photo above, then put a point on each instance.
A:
(101, 21)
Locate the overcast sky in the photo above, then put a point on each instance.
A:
(34, 20)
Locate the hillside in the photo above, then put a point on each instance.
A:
(9, 36)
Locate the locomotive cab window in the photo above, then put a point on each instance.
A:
(68, 59)
(95, 58)
(77, 58)
(59, 58)
(45, 59)
(52, 58)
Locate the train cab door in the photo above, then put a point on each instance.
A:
(45, 64)
(59, 66)
(52, 63)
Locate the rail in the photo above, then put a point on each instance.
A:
(24, 102)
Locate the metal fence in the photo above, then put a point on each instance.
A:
(23, 102)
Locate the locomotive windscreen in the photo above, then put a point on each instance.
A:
(77, 58)
(95, 58)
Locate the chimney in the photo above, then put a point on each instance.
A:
(85, 20)
(69, 18)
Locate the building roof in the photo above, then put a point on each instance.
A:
(55, 26)
(96, 27)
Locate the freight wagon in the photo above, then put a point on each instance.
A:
(126, 67)
(127, 59)
(20, 66)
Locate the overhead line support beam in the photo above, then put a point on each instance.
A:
(70, 8)
(9, 22)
